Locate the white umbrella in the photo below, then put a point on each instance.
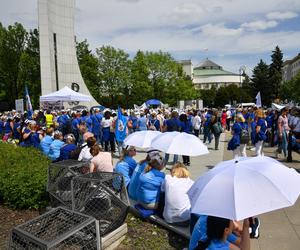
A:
(179, 143)
(244, 188)
(141, 139)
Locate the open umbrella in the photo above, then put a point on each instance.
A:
(141, 139)
(179, 144)
(238, 189)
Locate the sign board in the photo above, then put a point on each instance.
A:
(19, 105)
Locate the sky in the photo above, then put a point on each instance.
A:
(232, 33)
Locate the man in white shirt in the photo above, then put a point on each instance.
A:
(196, 124)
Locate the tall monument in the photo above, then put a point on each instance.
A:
(59, 65)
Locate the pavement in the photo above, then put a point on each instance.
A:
(280, 229)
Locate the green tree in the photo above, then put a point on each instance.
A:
(12, 45)
(260, 82)
(275, 72)
(208, 96)
(141, 88)
(114, 73)
(290, 90)
(88, 64)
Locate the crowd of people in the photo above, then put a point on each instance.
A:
(90, 136)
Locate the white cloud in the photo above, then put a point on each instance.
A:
(259, 25)
(219, 30)
(277, 15)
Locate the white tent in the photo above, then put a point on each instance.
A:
(65, 95)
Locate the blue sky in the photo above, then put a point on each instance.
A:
(230, 32)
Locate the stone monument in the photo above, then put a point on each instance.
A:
(59, 65)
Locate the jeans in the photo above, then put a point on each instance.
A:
(207, 134)
(196, 132)
(283, 144)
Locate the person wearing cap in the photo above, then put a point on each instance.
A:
(47, 140)
(127, 163)
(149, 188)
(68, 147)
(134, 181)
(260, 132)
(55, 146)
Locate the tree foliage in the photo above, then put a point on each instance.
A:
(290, 90)
(275, 72)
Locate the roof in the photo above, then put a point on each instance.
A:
(208, 64)
(212, 72)
(186, 62)
(287, 62)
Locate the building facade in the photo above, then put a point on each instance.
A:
(290, 68)
(208, 74)
(59, 65)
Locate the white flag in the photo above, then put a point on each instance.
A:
(258, 100)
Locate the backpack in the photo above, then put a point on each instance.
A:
(76, 152)
(244, 136)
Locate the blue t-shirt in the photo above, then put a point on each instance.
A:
(54, 151)
(45, 144)
(187, 127)
(173, 124)
(16, 133)
(134, 181)
(149, 187)
(75, 123)
(155, 123)
(7, 128)
(96, 119)
(218, 245)
(207, 120)
(1, 127)
(126, 168)
(199, 234)
(142, 123)
(66, 150)
(134, 121)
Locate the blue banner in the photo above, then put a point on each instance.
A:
(121, 124)
(28, 103)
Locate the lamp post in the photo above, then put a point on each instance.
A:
(242, 70)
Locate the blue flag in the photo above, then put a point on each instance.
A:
(28, 103)
(121, 124)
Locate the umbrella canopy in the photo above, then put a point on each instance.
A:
(65, 95)
(244, 188)
(153, 102)
(141, 139)
(179, 143)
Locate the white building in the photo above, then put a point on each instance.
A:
(290, 68)
(59, 65)
(208, 74)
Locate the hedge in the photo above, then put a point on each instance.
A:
(23, 177)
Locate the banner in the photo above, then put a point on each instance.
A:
(258, 100)
(28, 103)
(19, 105)
(121, 124)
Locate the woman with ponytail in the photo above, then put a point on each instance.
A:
(148, 191)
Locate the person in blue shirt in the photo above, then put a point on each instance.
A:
(219, 235)
(139, 169)
(172, 124)
(235, 144)
(75, 125)
(142, 122)
(17, 128)
(153, 123)
(260, 132)
(206, 127)
(132, 123)
(46, 141)
(55, 146)
(96, 128)
(8, 127)
(126, 164)
(27, 134)
(187, 127)
(149, 188)
(68, 147)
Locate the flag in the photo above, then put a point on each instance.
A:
(121, 124)
(28, 103)
(258, 100)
